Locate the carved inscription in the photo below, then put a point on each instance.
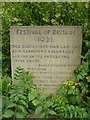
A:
(49, 53)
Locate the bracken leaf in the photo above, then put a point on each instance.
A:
(38, 109)
(8, 113)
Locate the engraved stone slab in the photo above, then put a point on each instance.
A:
(50, 53)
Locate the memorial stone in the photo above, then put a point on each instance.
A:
(50, 53)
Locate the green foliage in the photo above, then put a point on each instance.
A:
(65, 109)
(83, 79)
(77, 91)
(73, 97)
(70, 111)
(6, 85)
(21, 98)
(15, 95)
(58, 13)
(71, 90)
(82, 71)
(43, 106)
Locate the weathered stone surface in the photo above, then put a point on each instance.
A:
(50, 53)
